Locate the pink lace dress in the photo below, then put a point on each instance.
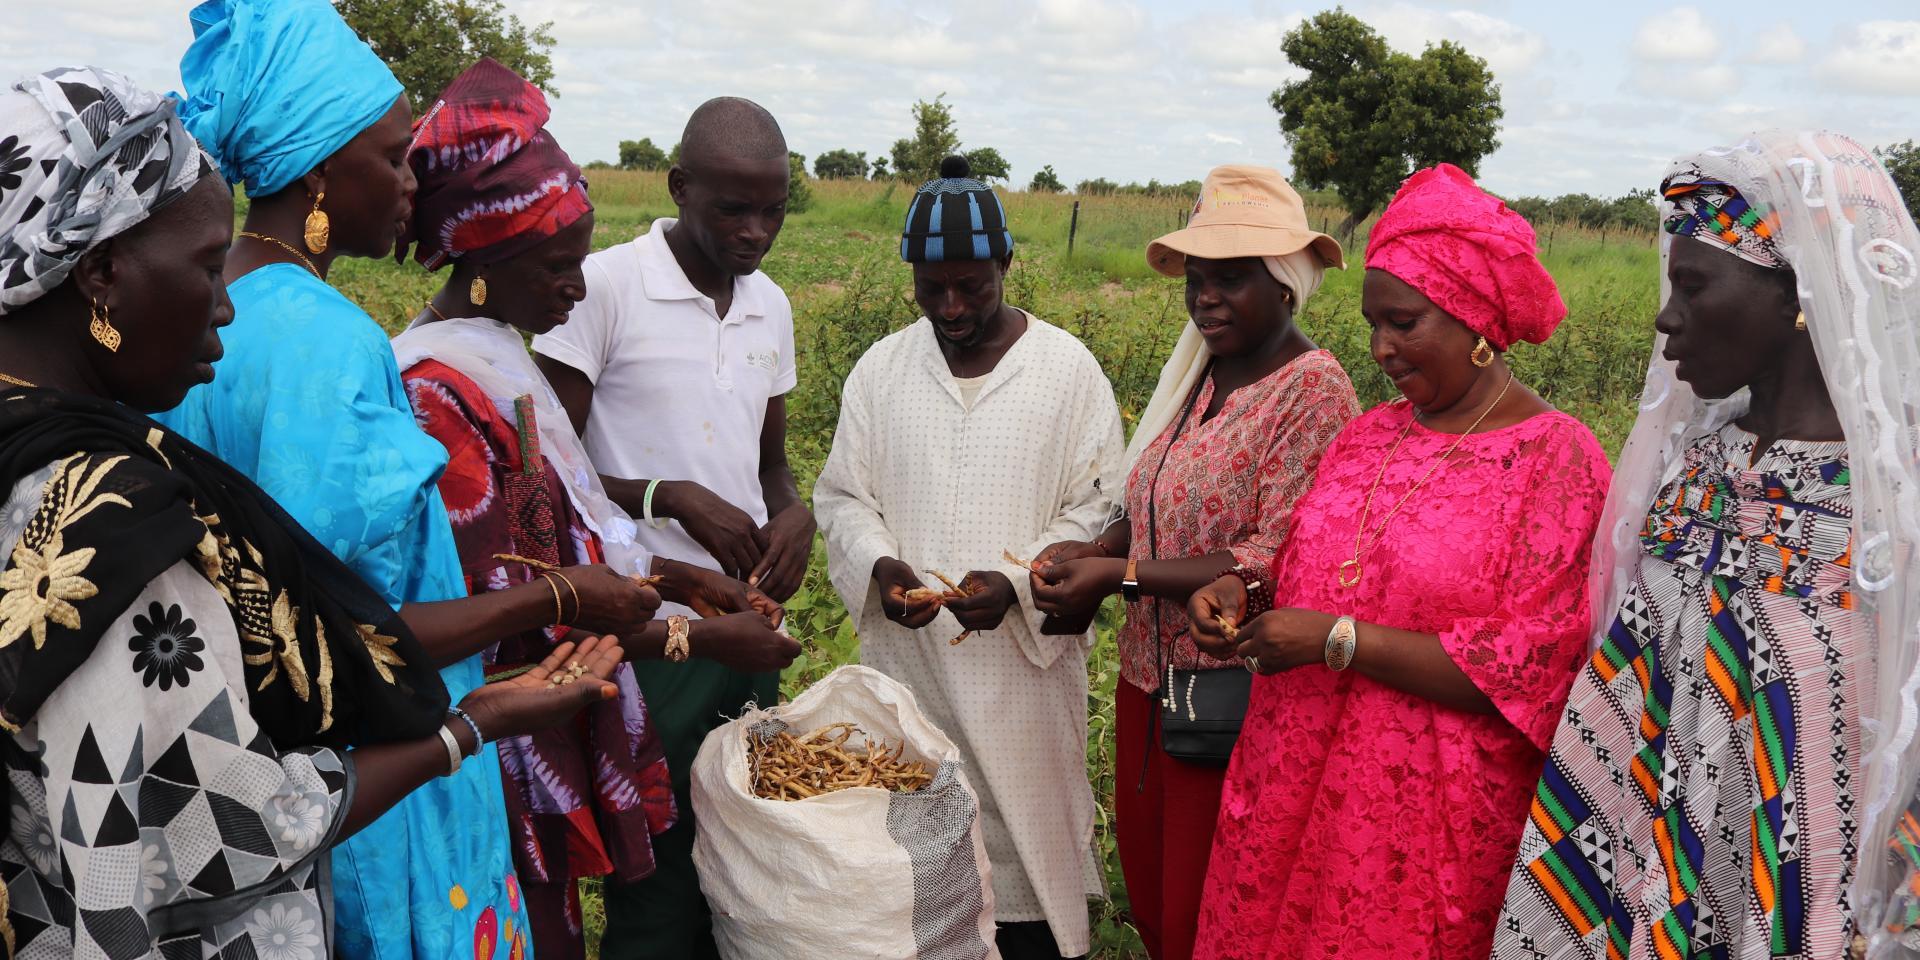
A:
(1359, 821)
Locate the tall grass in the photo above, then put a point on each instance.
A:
(839, 262)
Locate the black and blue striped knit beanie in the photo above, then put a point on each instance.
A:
(955, 217)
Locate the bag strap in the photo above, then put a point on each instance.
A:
(1153, 553)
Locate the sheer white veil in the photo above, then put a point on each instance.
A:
(1852, 246)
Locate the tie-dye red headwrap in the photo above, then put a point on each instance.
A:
(1468, 253)
(493, 183)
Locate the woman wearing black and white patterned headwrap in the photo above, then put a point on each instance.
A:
(182, 668)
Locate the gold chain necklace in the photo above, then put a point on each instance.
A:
(16, 381)
(435, 310)
(288, 247)
(1351, 571)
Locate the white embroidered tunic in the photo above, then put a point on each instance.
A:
(919, 474)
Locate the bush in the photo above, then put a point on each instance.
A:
(799, 194)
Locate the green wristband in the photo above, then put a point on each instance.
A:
(646, 506)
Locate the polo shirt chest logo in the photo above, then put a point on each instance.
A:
(767, 360)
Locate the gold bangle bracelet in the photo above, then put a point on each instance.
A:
(570, 589)
(559, 614)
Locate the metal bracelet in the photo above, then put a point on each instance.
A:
(1341, 641)
(454, 756)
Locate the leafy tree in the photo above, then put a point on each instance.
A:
(427, 43)
(934, 140)
(1631, 211)
(1097, 187)
(1634, 211)
(1366, 116)
(841, 165)
(880, 171)
(1903, 163)
(1046, 181)
(642, 155)
(673, 156)
(799, 193)
(987, 164)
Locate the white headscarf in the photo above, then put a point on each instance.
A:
(1300, 272)
(1852, 246)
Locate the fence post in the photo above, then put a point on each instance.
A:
(1073, 227)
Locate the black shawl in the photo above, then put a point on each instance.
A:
(328, 663)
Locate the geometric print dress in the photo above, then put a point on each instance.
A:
(150, 816)
(1699, 797)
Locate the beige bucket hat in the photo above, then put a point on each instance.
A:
(1243, 211)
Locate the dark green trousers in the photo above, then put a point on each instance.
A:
(665, 917)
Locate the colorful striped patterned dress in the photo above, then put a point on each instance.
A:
(1699, 798)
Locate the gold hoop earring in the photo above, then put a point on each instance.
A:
(1800, 321)
(1483, 353)
(101, 327)
(477, 292)
(319, 227)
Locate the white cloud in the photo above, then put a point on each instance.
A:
(1777, 44)
(1145, 89)
(1704, 84)
(1510, 50)
(1681, 35)
(1240, 52)
(1876, 57)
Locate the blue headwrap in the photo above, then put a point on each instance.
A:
(276, 86)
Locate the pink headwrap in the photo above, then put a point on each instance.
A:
(1463, 249)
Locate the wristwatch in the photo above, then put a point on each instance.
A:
(1130, 583)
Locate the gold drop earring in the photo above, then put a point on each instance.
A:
(319, 229)
(477, 292)
(1800, 321)
(102, 329)
(1483, 353)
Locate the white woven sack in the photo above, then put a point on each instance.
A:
(862, 872)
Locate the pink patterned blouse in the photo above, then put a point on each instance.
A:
(1358, 821)
(1229, 484)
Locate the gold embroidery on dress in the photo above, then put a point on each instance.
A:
(6, 922)
(324, 678)
(41, 558)
(269, 629)
(380, 648)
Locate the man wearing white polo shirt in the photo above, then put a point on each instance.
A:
(675, 369)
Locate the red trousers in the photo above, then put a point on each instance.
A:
(1164, 827)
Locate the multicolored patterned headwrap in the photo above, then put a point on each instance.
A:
(493, 183)
(1463, 249)
(1713, 212)
(85, 155)
(955, 217)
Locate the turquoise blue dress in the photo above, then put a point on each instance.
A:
(308, 402)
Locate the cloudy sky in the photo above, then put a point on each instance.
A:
(1598, 96)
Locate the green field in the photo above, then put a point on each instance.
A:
(839, 263)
